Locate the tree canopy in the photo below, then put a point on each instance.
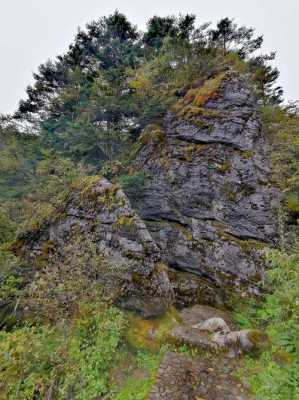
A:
(91, 101)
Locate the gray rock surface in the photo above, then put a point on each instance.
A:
(209, 204)
(97, 219)
(197, 229)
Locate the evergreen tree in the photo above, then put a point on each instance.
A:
(228, 36)
(86, 104)
(159, 28)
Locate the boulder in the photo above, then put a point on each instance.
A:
(196, 329)
(207, 328)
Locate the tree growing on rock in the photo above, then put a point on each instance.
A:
(229, 37)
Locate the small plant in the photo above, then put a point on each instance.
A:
(134, 183)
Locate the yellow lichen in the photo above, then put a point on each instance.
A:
(189, 152)
(247, 245)
(293, 203)
(86, 184)
(200, 147)
(185, 232)
(125, 220)
(108, 198)
(247, 154)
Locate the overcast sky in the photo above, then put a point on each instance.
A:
(31, 31)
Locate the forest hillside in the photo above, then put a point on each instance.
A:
(149, 187)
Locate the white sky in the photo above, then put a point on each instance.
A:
(31, 31)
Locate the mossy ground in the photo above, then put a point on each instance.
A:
(150, 334)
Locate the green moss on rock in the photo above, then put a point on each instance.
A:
(151, 334)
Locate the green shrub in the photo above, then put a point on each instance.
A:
(66, 361)
(275, 374)
(7, 227)
(133, 183)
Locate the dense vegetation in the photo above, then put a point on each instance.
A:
(83, 115)
(274, 374)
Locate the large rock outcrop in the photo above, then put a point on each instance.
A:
(198, 227)
(208, 203)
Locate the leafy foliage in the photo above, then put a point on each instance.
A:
(133, 183)
(282, 126)
(274, 375)
(74, 360)
(32, 178)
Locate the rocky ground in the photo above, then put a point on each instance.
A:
(199, 378)
(210, 375)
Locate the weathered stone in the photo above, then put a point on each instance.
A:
(173, 381)
(199, 313)
(245, 340)
(214, 324)
(97, 216)
(209, 204)
(189, 331)
(192, 337)
(207, 328)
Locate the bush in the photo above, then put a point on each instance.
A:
(275, 374)
(133, 183)
(67, 361)
(7, 227)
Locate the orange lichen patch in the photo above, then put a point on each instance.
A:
(192, 105)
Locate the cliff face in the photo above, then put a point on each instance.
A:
(209, 204)
(199, 225)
